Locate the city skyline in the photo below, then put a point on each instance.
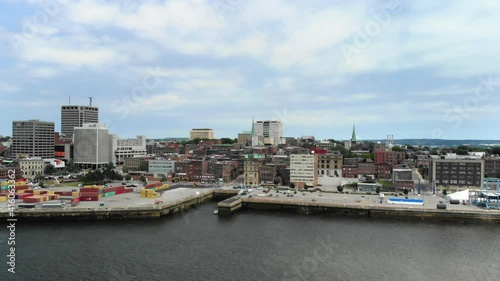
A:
(412, 70)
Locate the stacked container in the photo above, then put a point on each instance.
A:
(90, 193)
(148, 193)
(120, 189)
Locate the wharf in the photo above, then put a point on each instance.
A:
(359, 205)
(127, 206)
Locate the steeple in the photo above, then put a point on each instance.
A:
(253, 133)
(353, 138)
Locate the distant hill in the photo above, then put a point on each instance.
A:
(446, 143)
(169, 139)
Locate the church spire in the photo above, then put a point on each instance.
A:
(253, 132)
(353, 138)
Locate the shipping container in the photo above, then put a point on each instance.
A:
(89, 194)
(22, 187)
(86, 189)
(75, 194)
(109, 194)
(23, 195)
(29, 191)
(3, 199)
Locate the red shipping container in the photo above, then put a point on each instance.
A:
(43, 192)
(119, 192)
(89, 194)
(109, 189)
(121, 187)
(4, 195)
(59, 192)
(29, 191)
(21, 187)
(23, 195)
(89, 189)
(76, 199)
(127, 190)
(32, 200)
(66, 193)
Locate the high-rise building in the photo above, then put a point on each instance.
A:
(32, 138)
(92, 146)
(272, 131)
(303, 169)
(75, 116)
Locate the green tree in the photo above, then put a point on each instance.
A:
(340, 188)
(163, 178)
(50, 169)
(292, 185)
(397, 148)
(445, 192)
(128, 177)
(143, 179)
(227, 141)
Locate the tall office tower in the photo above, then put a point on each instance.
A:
(92, 146)
(74, 116)
(32, 138)
(272, 131)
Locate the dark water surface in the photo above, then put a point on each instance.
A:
(198, 245)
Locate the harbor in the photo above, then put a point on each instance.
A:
(182, 198)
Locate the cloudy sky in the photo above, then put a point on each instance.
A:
(414, 69)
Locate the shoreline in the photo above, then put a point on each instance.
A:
(234, 203)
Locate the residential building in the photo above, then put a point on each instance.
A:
(133, 163)
(7, 171)
(201, 134)
(459, 173)
(251, 166)
(75, 116)
(32, 138)
(330, 164)
(389, 157)
(366, 167)
(267, 173)
(304, 169)
(191, 169)
(383, 171)
(350, 168)
(492, 167)
(91, 146)
(403, 178)
(161, 167)
(31, 167)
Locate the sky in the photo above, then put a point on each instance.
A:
(412, 69)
